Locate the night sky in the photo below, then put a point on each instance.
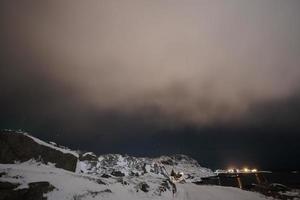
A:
(217, 80)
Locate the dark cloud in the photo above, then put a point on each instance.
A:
(138, 70)
(195, 61)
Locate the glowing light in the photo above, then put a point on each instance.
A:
(254, 170)
(246, 170)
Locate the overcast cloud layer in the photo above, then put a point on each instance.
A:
(199, 62)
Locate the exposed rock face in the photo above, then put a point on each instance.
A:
(105, 176)
(35, 191)
(88, 156)
(129, 166)
(117, 174)
(20, 147)
(144, 187)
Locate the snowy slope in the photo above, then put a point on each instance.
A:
(80, 186)
(195, 192)
(110, 176)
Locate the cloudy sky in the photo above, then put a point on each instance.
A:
(218, 80)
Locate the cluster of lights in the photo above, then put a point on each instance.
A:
(245, 170)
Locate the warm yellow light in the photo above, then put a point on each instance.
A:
(230, 170)
(246, 169)
(254, 170)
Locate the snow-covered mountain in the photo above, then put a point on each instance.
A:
(34, 169)
(132, 166)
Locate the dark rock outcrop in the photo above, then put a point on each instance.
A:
(88, 156)
(105, 176)
(8, 185)
(99, 181)
(117, 174)
(91, 194)
(35, 191)
(20, 147)
(167, 162)
(2, 174)
(144, 187)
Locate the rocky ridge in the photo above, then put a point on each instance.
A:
(134, 174)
